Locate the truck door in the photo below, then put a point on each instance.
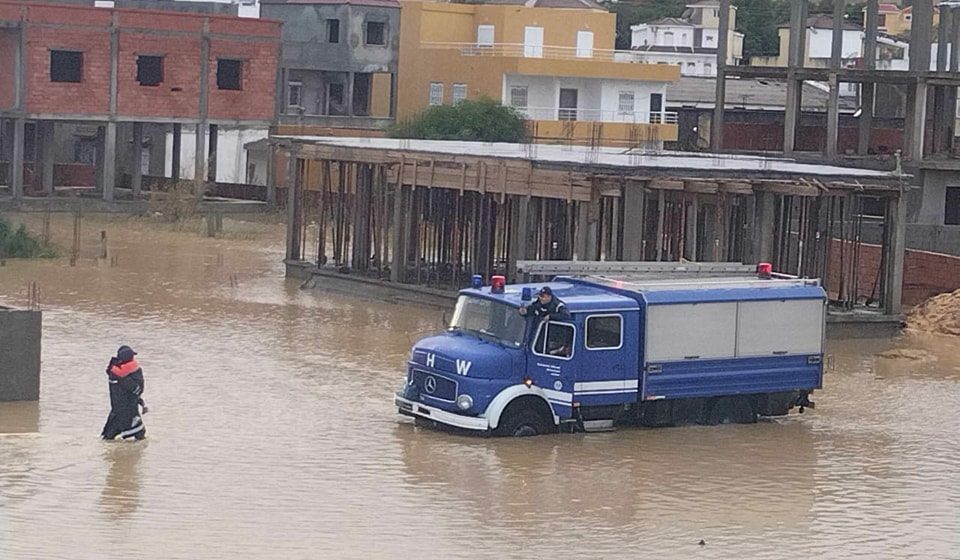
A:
(551, 364)
(608, 366)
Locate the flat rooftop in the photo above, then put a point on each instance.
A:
(607, 157)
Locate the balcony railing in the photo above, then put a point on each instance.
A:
(541, 51)
(597, 115)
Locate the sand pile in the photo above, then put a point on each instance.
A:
(939, 315)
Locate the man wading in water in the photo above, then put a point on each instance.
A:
(126, 386)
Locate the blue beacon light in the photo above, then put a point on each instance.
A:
(477, 282)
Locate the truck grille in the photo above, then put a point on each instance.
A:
(442, 388)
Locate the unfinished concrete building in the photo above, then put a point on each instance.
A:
(432, 213)
(339, 64)
(929, 146)
(118, 73)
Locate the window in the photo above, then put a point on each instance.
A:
(459, 93)
(436, 93)
(376, 33)
(683, 38)
(295, 94)
(709, 38)
(882, 20)
(691, 67)
(149, 70)
(333, 30)
(626, 102)
(604, 332)
(951, 215)
(66, 66)
(584, 44)
(518, 97)
(554, 340)
(708, 68)
(668, 38)
(229, 74)
(485, 36)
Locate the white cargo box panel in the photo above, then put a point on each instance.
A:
(777, 327)
(691, 331)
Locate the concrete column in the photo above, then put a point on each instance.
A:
(917, 92)
(690, 235)
(397, 234)
(867, 90)
(633, 214)
(175, 166)
(293, 207)
(720, 98)
(45, 137)
(108, 179)
(798, 31)
(16, 160)
(833, 106)
(349, 92)
(897, 228)
(944, 126)
(271, 174)
(955, 40)
(661, 217)
(393, 95)
(136, 155)
(583, 224)
(212, 153)
(200, 160)
(765, 217)
(518, 237)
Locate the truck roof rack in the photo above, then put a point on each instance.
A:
(653, 276)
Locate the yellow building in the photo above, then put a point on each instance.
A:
(554, 60)
(897, 21)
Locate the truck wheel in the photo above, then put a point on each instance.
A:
(520, 420)
(730, 410)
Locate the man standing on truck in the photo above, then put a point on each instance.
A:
(547, 307)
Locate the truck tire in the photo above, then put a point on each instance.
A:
(523, 419)
(730, 410)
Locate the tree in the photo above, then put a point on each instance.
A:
(632, 14)
(758, 21)
(483, 120)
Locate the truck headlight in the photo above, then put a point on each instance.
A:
(464, 402)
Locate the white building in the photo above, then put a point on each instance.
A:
(690, 41)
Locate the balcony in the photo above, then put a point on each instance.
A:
(548, 60)
(598, 115)
(602, 128)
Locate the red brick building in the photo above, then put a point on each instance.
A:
(126, 68)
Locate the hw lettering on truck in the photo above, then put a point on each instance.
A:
(708, 343)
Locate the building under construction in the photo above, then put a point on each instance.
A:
(433, 213)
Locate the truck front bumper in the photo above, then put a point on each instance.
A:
(412, 408)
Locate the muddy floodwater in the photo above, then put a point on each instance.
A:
(272, 434)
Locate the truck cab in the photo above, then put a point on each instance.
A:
(653, 354)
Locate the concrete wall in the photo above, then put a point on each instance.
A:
(306, 46)
(20, 333)
(933, 196)
(231, 157)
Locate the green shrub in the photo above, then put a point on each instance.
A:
(483, 120)
(20, 244)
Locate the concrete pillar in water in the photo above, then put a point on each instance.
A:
(397, 233)
(136, 153)
(693, 215)
(520, 234)
(175, 167)
(897, 214)
(200, 160)
(212, 153)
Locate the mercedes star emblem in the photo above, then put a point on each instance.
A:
(430, 384)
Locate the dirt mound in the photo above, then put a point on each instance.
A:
(939, 315)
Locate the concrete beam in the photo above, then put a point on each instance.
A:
(720, 97)
(108, 176)
(763, 239)
(45, 134)
(136, 153)
(16, 161)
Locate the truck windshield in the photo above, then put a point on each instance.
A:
(488, 319)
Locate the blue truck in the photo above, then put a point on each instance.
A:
(698, 345)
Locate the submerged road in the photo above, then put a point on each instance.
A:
(272, 435)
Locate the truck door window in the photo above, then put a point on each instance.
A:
(554, 340)
(604, 332)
